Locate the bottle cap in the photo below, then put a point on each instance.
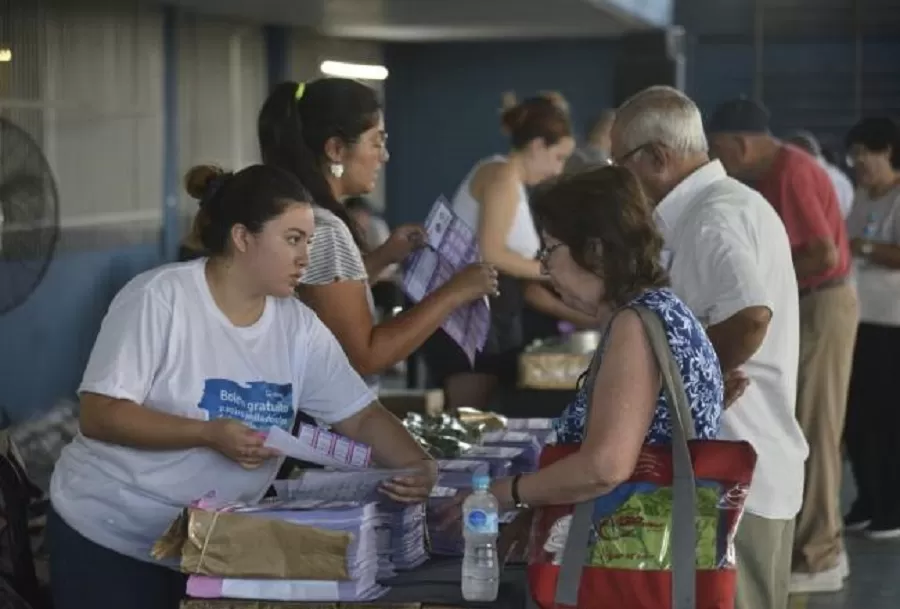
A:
(481, 481)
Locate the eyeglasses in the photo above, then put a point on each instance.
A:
(544, 256)
(631, 153)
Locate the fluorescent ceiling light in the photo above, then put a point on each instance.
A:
(360, 71)
(5, 55)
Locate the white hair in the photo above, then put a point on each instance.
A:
(664, 115)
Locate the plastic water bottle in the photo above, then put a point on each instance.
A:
(480, 567)
(868, 235)
(871, 227)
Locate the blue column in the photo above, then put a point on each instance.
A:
(171, 228)
(277, 55)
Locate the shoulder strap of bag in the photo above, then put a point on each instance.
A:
(684, 534)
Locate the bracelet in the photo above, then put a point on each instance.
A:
(514, 491)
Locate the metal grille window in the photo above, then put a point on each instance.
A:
(85, 82)
(222, 83)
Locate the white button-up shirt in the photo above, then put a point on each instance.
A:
(728, 250)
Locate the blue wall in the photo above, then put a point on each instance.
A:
(442, 99)
(443, 104)
(44, 343)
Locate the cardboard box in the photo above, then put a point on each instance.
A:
(552, 370)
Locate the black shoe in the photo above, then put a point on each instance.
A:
(857, 520)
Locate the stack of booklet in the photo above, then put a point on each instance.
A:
(359, 521)
(384, 537)
(401, 538)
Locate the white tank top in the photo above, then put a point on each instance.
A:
(522, 237)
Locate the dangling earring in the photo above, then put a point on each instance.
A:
(337, 170)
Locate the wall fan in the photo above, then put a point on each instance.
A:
(29, 216)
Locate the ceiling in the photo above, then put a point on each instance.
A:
(444, 20)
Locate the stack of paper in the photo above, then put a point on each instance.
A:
(362, 560)
(501, 460)
(542, 429)
(528, 443)
(457, 473)
(401, 541)
(444, 539)
(323, 485)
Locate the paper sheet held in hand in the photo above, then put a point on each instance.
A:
(336, 486)
(320, 446)
(451, 245)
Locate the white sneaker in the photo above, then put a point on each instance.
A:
(831, 580)
(857, 527)
(844, 564)
(882, 534)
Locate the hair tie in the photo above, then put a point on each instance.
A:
(213, 188)
(300, 89)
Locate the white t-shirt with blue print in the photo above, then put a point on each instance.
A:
(165, 344)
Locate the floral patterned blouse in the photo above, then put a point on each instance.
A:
(700, 371)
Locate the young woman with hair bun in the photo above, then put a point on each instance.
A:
(330, 134)
(194, 363)
(493, 199)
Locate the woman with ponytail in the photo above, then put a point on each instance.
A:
(493, 199)
(330, 134)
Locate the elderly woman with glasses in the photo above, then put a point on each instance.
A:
(602, 251)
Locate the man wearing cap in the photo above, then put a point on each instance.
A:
(801, 192)
(730, 261)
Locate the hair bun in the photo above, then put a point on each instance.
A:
(557, 99)
(511, 112)
(508, 101)
(200, 178)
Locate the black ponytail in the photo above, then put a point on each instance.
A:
(293, 132)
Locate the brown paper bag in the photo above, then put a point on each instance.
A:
(227, 544)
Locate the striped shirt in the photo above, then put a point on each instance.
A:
(333, 257)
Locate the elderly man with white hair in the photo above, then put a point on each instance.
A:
(729, 259)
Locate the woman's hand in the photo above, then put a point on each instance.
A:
(475, 281)
(239, 443)
(403, 241)
(415, 488)
(735, 384)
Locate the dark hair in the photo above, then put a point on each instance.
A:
(545, 116)
(878, 134)
(740, 115)
(359, 204)
(251, 197)
(605, 209)
(293, 132)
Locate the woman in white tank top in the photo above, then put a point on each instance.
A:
(493, 200)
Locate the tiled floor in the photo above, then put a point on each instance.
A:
(874, 579)
(874, 573)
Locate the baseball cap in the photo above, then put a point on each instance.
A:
(739, 116)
